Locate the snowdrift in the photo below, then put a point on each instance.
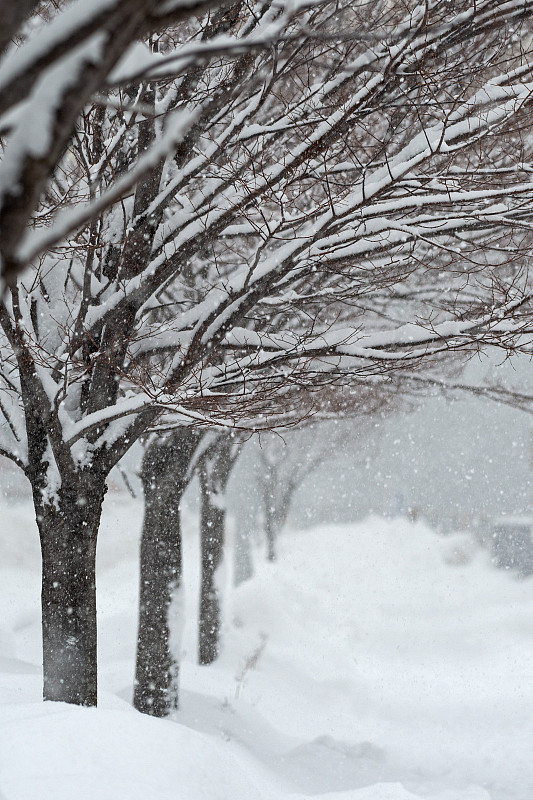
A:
(375, 661)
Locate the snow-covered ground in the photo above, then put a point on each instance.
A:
(370, 663)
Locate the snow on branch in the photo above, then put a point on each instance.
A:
(351, 201)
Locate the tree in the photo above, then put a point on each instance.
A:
(66, 64)
(270, 201)
(169, 463)
(285, 462)
(282, 468)
(214, 470)
(166, 471)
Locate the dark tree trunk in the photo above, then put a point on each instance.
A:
(165, 475)
(214, 471)
(212, 522)
(68, 532)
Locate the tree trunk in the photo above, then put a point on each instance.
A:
(165, 475)
(246, 509)
(212, 523)
(276, 516)
(270, 533)
(214, 471)
(68, 533)
(269, 509)
(243, 568)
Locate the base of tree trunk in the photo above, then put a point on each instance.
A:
(68, 532)
(156, 676)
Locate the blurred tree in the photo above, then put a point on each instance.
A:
(214, 470)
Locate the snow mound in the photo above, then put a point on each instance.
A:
(370, 662)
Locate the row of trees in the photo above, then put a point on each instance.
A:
(279, 466)
(234, 216)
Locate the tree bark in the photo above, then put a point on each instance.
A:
(68, 532)
(212, 523)
(165, 476)
(214, 472)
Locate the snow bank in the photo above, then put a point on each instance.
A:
(54, 751)
(371, 662)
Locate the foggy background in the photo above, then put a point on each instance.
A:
(454, 463)
(451, 462)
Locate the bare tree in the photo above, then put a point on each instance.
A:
(210, 227)
(284, 463)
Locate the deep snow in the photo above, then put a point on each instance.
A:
(370, 663)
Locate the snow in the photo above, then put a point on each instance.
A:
(78, 16)
(34, 127)
(373, 661)
(36, 241)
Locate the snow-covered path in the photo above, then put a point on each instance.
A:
(364, 665)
